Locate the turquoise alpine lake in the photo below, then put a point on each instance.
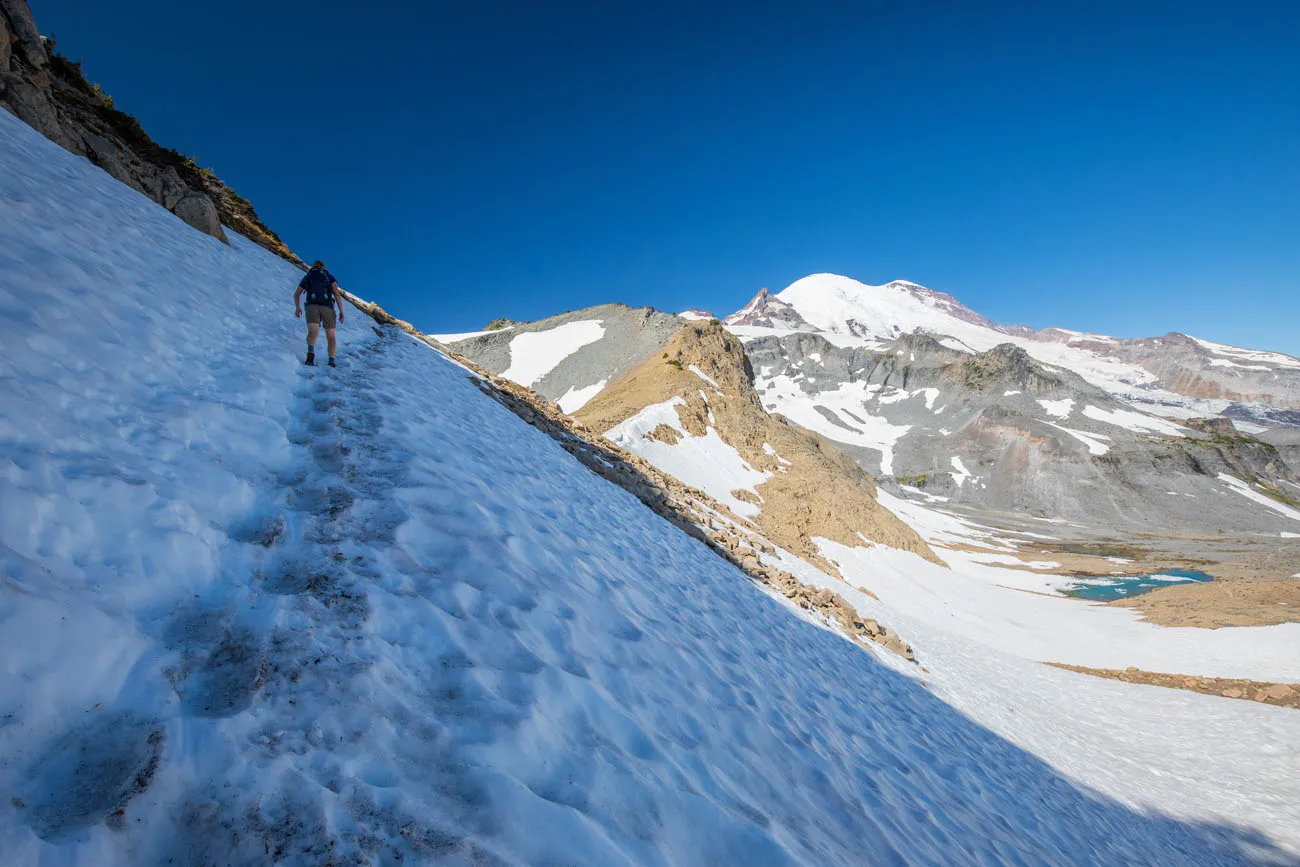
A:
(1106, 590)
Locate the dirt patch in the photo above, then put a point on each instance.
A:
(665, 434)
(1280, 694)
(1222, 602)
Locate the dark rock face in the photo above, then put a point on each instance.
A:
(767, 311)
(48, 93)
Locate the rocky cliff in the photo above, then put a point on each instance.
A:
(49, 93)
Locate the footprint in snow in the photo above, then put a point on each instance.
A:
(92, 773)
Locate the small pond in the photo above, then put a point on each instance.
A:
(1108, 589)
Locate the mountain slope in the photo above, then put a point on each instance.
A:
(569, 358)
(1000, 430)
(692, 410)
(261, 613)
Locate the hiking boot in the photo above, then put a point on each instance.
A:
(332, 363)
(311, 359)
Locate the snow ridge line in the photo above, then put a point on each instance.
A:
(681, 505)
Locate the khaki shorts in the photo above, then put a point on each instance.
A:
(322, 315)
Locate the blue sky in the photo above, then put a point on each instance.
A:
(1128, 168)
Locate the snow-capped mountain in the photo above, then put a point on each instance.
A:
(1175, 375)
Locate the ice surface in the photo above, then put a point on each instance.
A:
(255, 612)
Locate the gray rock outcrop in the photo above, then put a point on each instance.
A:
(49, 93)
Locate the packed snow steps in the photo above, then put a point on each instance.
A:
(686, 507)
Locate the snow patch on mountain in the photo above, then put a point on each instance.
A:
(693, 368)
(708, 462)
(1057, 408)
(1264, 500)
(836, 414)
(1138, 422)
(576, 398)
(848, 313)
(1094, 441)
(535, 354)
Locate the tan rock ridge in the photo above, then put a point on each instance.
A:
(692, 511)
(1280, 694)
(815, 490)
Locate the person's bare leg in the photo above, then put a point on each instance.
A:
(313, 328)
(329, 340)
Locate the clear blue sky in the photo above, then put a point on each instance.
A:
(1129, 168)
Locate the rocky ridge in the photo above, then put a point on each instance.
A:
(813, 490)
(626, 336)
(765, 310)
(50, 94)
(1280, 694)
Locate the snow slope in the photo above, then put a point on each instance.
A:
(256, 612)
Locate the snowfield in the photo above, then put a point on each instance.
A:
(255, 612)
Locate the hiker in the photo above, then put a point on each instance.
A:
(322, 294)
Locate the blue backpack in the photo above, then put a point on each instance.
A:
(319, 284)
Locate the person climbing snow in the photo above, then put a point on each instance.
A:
(322, 295)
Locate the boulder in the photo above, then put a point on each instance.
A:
(170, 189)
(105, 154)
(1277, 691)
(32, 105)
(198, 210)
